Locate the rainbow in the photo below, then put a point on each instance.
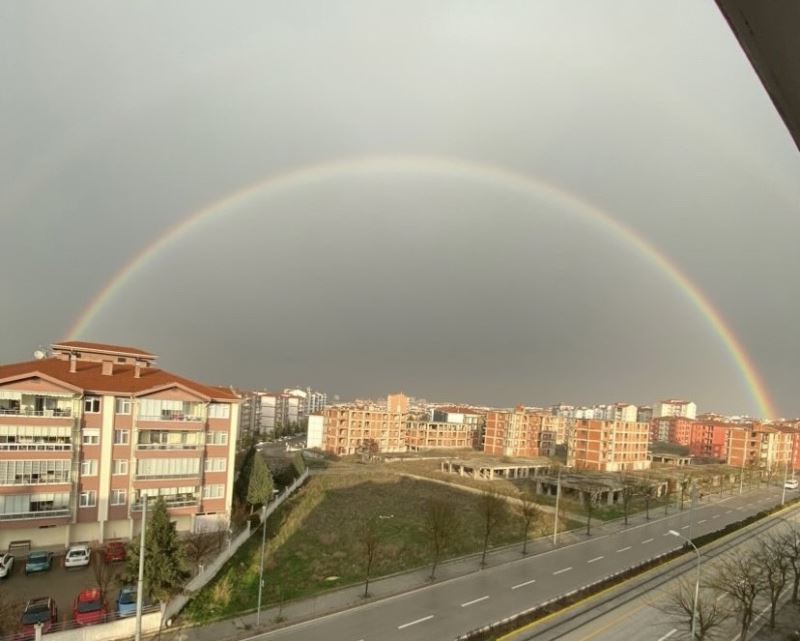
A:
(447, 167)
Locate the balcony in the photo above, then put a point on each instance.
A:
(35, 446)
(171, 502)
(168, 446)
(30, 411)
(41, 514)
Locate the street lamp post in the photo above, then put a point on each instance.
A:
(140, 582)
(558, 495)
(261, 571)
(696, 583)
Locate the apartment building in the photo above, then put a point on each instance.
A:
(674, 407)
(89, 431)
(644, 414)
(425, 435)
(351, 428)
(608, 446)
(672, 429)
(709, 439)
(515, 432)
(760, 446)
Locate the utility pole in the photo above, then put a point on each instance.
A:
(261, 571)
(558, 496)
(140, 582)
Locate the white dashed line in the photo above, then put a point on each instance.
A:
(410, 623)
(597, 558)
(562, 570)
(686, 527)
(668, 634)
(474, 601)
(624, 549)
(716, 516)
(522, 585)
(647, 541)
(729, 512)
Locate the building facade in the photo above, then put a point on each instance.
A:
(674, 407)
(608, 446)
(357, 427)
(513, 433)
(87, 433)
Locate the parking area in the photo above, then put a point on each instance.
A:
(60, 583)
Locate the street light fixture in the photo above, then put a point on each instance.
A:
(697, 580)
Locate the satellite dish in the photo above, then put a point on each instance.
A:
(39, 354)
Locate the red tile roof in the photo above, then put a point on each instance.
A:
(89, 377)
(103, 347)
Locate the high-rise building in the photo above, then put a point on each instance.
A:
(672, 407)
(608, 446)
(88, 432)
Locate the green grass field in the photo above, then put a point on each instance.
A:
(316, 536)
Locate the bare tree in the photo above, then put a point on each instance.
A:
(370, 540)
(530, 513)
(628, 492)
(102, 572)
(590, 498)
(741, 578)
(791, 547)
(678, 604)
(198, 546)
(773, 557)
(441, 522)
(493, 510)
(645, 490)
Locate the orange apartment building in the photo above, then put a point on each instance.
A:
(515, 433)
(760, 446)
(90, 430)
(709, 439)
(672, 429)
(424, 435)
(348, 428)
(608, 446)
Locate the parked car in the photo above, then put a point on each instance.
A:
(90, 607)
(39, 610)
(115, 551)
(126, 601)
(77, 556)
(791, 484)
(38, 562)
(6, 564)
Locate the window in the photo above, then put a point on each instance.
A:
(217, 438)
(34, 472)
(121, 437)
(119, 497)
(91, 404)
(219, 410)
(90, 437)
(122, 405)
(89, 467)
(213, 491)
(88, 499)
(119, 466)
(167, 467)
(35, 437)
(215, 464)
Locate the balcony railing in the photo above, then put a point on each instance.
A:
(168, 446)
(36, 447)
(41, 514)
(182, 502)
(158, 477)
(177, 416)
(28, 411)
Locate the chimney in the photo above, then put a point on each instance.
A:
(73, 363)
(137, 370)
(108, 368)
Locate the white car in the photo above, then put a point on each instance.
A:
(6, 563)
(77, 556)
(791, 484)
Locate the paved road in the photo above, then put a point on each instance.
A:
(445, 610)
(633, 615)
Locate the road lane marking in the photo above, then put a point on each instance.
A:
(474, 601)
(666, 534)
(562, 570)
(597, 558)
(716, 516)
(685, 527)
(701, 521)
(522, 585)
(405, 625)
(741, 507)
(647, 541)
(729, 512)
(624, 549)
(668, 634)
(614, 622)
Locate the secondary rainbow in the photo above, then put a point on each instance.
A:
(453, 168)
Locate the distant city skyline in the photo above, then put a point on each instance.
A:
(556, 202)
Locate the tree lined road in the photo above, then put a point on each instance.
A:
(445, 610)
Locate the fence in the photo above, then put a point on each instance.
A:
(209, 572)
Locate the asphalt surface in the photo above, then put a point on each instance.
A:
(446, 609)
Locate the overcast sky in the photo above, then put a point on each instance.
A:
(121, 119)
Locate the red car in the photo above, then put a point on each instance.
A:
(39, 610)
(115, 551)
(90, 607)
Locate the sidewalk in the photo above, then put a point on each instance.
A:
(342, 599)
